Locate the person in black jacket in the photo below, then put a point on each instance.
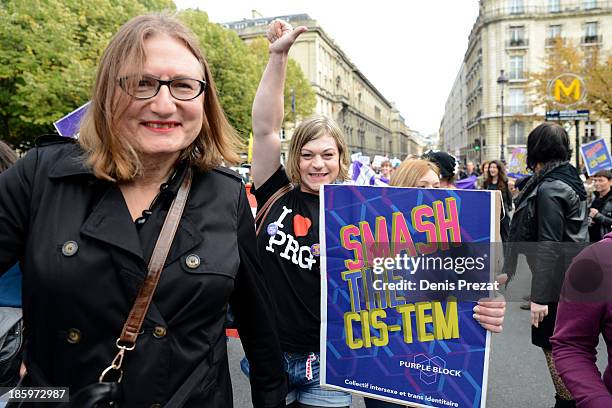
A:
(11, 324)
(83, 218)
(550, 210)
(600, 212)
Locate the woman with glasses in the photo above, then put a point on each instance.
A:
(83, 218)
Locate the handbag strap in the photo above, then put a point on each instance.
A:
(131, 328)
(262, 213)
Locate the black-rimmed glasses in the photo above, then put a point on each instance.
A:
(146, 87)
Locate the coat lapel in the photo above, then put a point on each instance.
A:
(110, 222)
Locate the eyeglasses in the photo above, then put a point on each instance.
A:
(146, 87)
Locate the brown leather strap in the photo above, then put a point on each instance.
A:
(262, 212)
(132, 326)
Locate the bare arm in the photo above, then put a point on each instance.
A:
(268, 106)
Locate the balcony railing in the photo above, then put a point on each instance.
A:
(517, 43)
(572, 8)
(518, 109)
(550, 41)
(591, 39)
(517, 75)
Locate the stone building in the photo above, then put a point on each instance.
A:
(514, 36)
(372, 124)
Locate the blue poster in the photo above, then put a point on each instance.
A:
(596, 156)
(404, 268)
(68, 126)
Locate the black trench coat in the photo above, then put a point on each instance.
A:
(76, 298)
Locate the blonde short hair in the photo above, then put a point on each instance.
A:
(411, 171)
(109, 154)
(310, 129)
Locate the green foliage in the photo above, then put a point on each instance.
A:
(296, 82)
(48, 54)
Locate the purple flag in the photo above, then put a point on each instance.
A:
(68, 126)
(468, 183)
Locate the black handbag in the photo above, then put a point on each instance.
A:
(11, 339)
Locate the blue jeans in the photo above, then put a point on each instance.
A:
(304, 383)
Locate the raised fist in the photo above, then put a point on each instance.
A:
(282, 35)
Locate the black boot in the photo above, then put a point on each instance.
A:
(563, 403)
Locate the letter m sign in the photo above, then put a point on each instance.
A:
(572, 91)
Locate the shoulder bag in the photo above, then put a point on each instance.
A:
(262, 212)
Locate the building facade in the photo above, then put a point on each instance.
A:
(453, 134)
(372, 125)
(515, 36)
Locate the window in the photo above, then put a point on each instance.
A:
(553, 31)
(377, 112)
(379, 143)
(590, 32)
(517, 133)
(590, 130)
(516, 7)
(516, 101)
(590, 29)
(517, 67)
(517, 35)
(589, 4)
(554, 6)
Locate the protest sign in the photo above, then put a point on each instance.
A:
(517, 165)
(596, 156)
(396, 315)
(364, 159)
(68, 126)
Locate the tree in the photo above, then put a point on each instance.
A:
(48, 55)
(565, 57)
(599, 80)
(297, 86)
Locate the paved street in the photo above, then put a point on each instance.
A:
(518, 376)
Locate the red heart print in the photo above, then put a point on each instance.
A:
(301, 225)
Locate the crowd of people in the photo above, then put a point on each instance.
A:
(83, 219)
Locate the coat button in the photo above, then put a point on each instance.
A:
(70, 248)
(192, 261)
(74, 336)
(159, 332)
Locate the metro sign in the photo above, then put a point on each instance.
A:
(567, 90)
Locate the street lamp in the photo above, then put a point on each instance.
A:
(502, 80)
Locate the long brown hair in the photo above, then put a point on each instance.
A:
(111, 156)
(8, 157)
(502, 179)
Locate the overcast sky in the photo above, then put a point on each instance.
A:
(410, 50)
